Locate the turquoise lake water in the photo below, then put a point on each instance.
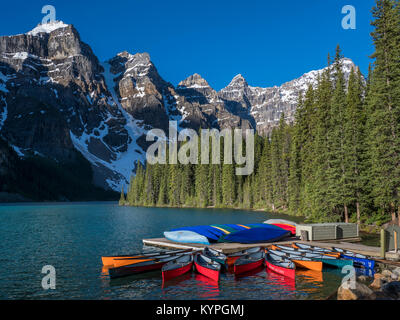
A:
(73, 237)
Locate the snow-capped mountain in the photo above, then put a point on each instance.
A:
(57, 100)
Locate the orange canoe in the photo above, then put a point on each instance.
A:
(310, 265)
(110, 260)
(126, 262)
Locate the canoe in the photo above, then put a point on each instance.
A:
(364, 262)
(284, 224)
(215, 255)
(186, 236)
(207, 267)
(280, 265)
(177, 267)
(287, 227)
(309, 247)
(141, 267)
(302, 246)
(306, 251)
(248, 262)
(336, 263)
(321, 257)
(299, 252)
(231, 258)
(300, 261)
(109, 260)
(258, 233)
(280, 221)
(359, 259)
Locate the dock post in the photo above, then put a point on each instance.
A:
(383, 243)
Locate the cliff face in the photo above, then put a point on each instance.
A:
(58, 102)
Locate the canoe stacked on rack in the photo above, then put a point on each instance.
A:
(238, 233)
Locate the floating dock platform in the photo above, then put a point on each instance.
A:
(234, 247)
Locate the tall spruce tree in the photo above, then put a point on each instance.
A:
(354, 143)
(384, 107)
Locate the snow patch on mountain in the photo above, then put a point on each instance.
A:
(47, 28)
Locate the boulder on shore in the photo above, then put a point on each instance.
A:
(392, 289)
(359, 292)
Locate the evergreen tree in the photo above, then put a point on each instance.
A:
(122, 200)
(354, 143)
(384, 107)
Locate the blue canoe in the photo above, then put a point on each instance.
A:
(186, 237)
(249, 233)
(360, 259)
(366, 263)
(256, 235)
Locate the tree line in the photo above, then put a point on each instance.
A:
(338, 161)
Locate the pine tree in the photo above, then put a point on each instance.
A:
(384, 105)
(336, 140)
(354, 143)
(228, 185)
(294, 183)
(122, 200)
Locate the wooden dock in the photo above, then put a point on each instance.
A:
(234, 247)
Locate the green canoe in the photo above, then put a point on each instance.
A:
(337, 263)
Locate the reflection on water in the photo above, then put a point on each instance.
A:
(73, 237)
(286, 283)
(208, 288)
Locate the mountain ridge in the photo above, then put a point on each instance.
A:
(57, 98)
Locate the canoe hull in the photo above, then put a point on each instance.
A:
(171, 274)
(110, 260)
(134, 269)
(366, 263)
(290, 273)
(239, 269)
(126, 262)
(336, 263)
(209, 273)
(309, 265)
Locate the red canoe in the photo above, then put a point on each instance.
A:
(231, 258)
(177, 267)
(280, 265)
(207, 267)
(287, 227)
(248, 262)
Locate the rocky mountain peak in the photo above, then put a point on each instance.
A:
(238, 82)
(57, 100)
(194, 81)
(47, 28)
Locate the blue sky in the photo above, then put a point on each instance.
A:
(268, 42)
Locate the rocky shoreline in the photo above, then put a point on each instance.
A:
(385, 285)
